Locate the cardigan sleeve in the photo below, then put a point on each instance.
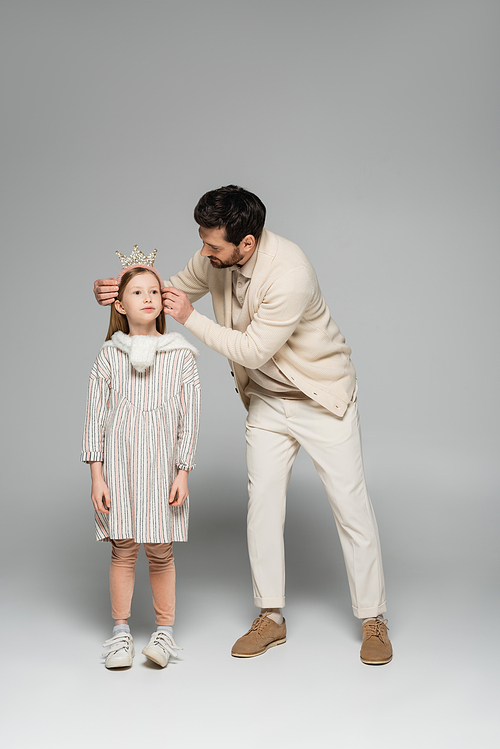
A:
(97, 407)
(189, 420)
(276, 318)
(193, 279)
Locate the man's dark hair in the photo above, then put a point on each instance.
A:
(236, 210)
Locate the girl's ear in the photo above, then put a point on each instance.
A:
(119, 307)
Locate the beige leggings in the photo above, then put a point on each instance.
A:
(161, 577)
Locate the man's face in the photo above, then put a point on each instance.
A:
(222, 254)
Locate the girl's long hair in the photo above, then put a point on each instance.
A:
(120, 322)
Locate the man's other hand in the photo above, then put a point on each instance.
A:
(105, 290)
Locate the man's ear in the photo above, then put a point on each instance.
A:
(248, 243)
(119, 307)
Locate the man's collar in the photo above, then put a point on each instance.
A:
(247, 268)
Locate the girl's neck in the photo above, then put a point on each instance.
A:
(146, 329)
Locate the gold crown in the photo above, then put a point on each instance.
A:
(137, 258)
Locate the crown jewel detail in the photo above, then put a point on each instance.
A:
(137, 258)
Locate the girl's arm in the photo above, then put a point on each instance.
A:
(179, 491)
(99, 493)
(189, 418)
(97, 409)
(93, 431)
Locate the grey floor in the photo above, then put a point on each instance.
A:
(441, 690)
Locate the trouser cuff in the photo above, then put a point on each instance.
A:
(369, 612)
(269, 603)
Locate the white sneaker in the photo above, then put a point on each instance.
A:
(160, 647)
(119, 650)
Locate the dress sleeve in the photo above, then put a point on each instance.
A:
(189, 421)
(97, 407)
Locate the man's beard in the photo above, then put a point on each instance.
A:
(235, 258)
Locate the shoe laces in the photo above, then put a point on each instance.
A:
(121, 641)
(165, 642)
(261, 621)
(376, 628)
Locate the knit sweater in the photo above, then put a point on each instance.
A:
(288, 322)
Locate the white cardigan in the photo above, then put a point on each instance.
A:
(289, 322)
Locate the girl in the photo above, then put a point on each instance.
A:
(140, 438)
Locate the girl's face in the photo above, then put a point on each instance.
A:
(141, 301)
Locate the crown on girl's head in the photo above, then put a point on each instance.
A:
(137, 258)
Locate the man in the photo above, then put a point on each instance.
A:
(293, 372)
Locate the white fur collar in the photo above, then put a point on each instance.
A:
(141, 349)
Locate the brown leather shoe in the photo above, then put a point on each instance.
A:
(376, 648)
(262, 635)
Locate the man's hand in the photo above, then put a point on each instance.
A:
(105, 290)
(179, 491)
(176, 304)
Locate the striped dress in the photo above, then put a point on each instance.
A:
(142, 421)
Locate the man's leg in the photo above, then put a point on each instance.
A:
(335, 447)
(270, 455)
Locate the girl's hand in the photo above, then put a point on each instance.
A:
(179, 491)
(100, 496)
(99, 493)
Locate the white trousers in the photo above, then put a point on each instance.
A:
(275, 430)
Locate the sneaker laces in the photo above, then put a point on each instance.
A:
(373, 628)
(121, 641)
(165, 642)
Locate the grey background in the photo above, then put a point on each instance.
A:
(370, 131)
